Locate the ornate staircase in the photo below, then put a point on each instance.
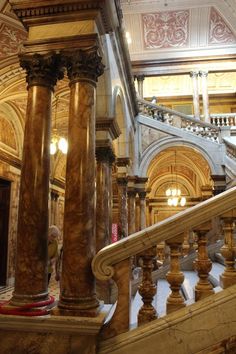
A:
(204, 326)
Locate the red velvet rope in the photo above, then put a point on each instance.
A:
(27, 309)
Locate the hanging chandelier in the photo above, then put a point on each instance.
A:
(174, 193)
(58, 143)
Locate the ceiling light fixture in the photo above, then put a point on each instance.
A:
(57, 142)
(173, 192)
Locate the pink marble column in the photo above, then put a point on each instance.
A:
(131, 210)
(31, 255)
(122, 207)
(105, 157)
(77, 295)
(196, 109)
(142, 198)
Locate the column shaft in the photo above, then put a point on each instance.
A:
(31, 254)
(77, 295)
(205, 98)
(194, 76)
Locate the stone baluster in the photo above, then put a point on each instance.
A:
(194, 76)
(147, 289)
(228, 250)
(77, 297)
(31, 283)
(202, 265)
(175, 277)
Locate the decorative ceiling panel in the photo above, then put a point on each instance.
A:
(166, 29)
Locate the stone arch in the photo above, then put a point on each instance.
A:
(214, 160)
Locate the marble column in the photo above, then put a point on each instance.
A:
(122, 207)
(142, 198)
(131, 210)
(196, 109)
(77, 297)
(53, 210)
(31, 255)
(140, 80)
(105, 157)
(205, 98)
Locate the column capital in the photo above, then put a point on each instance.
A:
(139, 77)
(203, 73)
(142, 193)
(193, 73)
(131, 192)
(105, 154)
(122, 180)
(83, 64)
(43, 70)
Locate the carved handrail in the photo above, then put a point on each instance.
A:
(105, 260)
(230, 149)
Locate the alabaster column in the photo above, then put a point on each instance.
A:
(77, 295)
(205, 98)
(196, 109)
(122, 207)
(142, 198)
(31, 255)
(131, 210)
(105, 157)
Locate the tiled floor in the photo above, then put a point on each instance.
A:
(6, 292)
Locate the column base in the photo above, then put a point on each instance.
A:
(200, 294)
(88, 307)
(227, 280)
(21, 300)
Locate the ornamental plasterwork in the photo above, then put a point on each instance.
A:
(10, 40)
(219, 31)
(167, 29)
(150, 135)
(7, 136)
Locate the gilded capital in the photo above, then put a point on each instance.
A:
(42, 70)
(83, 64)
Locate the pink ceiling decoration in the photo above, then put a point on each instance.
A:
(167, 29)
(219, 31)
(10, 40)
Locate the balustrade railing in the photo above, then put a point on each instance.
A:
(182, 121)
(225, 119)
(114, 260)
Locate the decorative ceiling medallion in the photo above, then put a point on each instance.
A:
(168, 29)
(219, 31)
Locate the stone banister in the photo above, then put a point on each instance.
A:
(105, 260)
(185, 117)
